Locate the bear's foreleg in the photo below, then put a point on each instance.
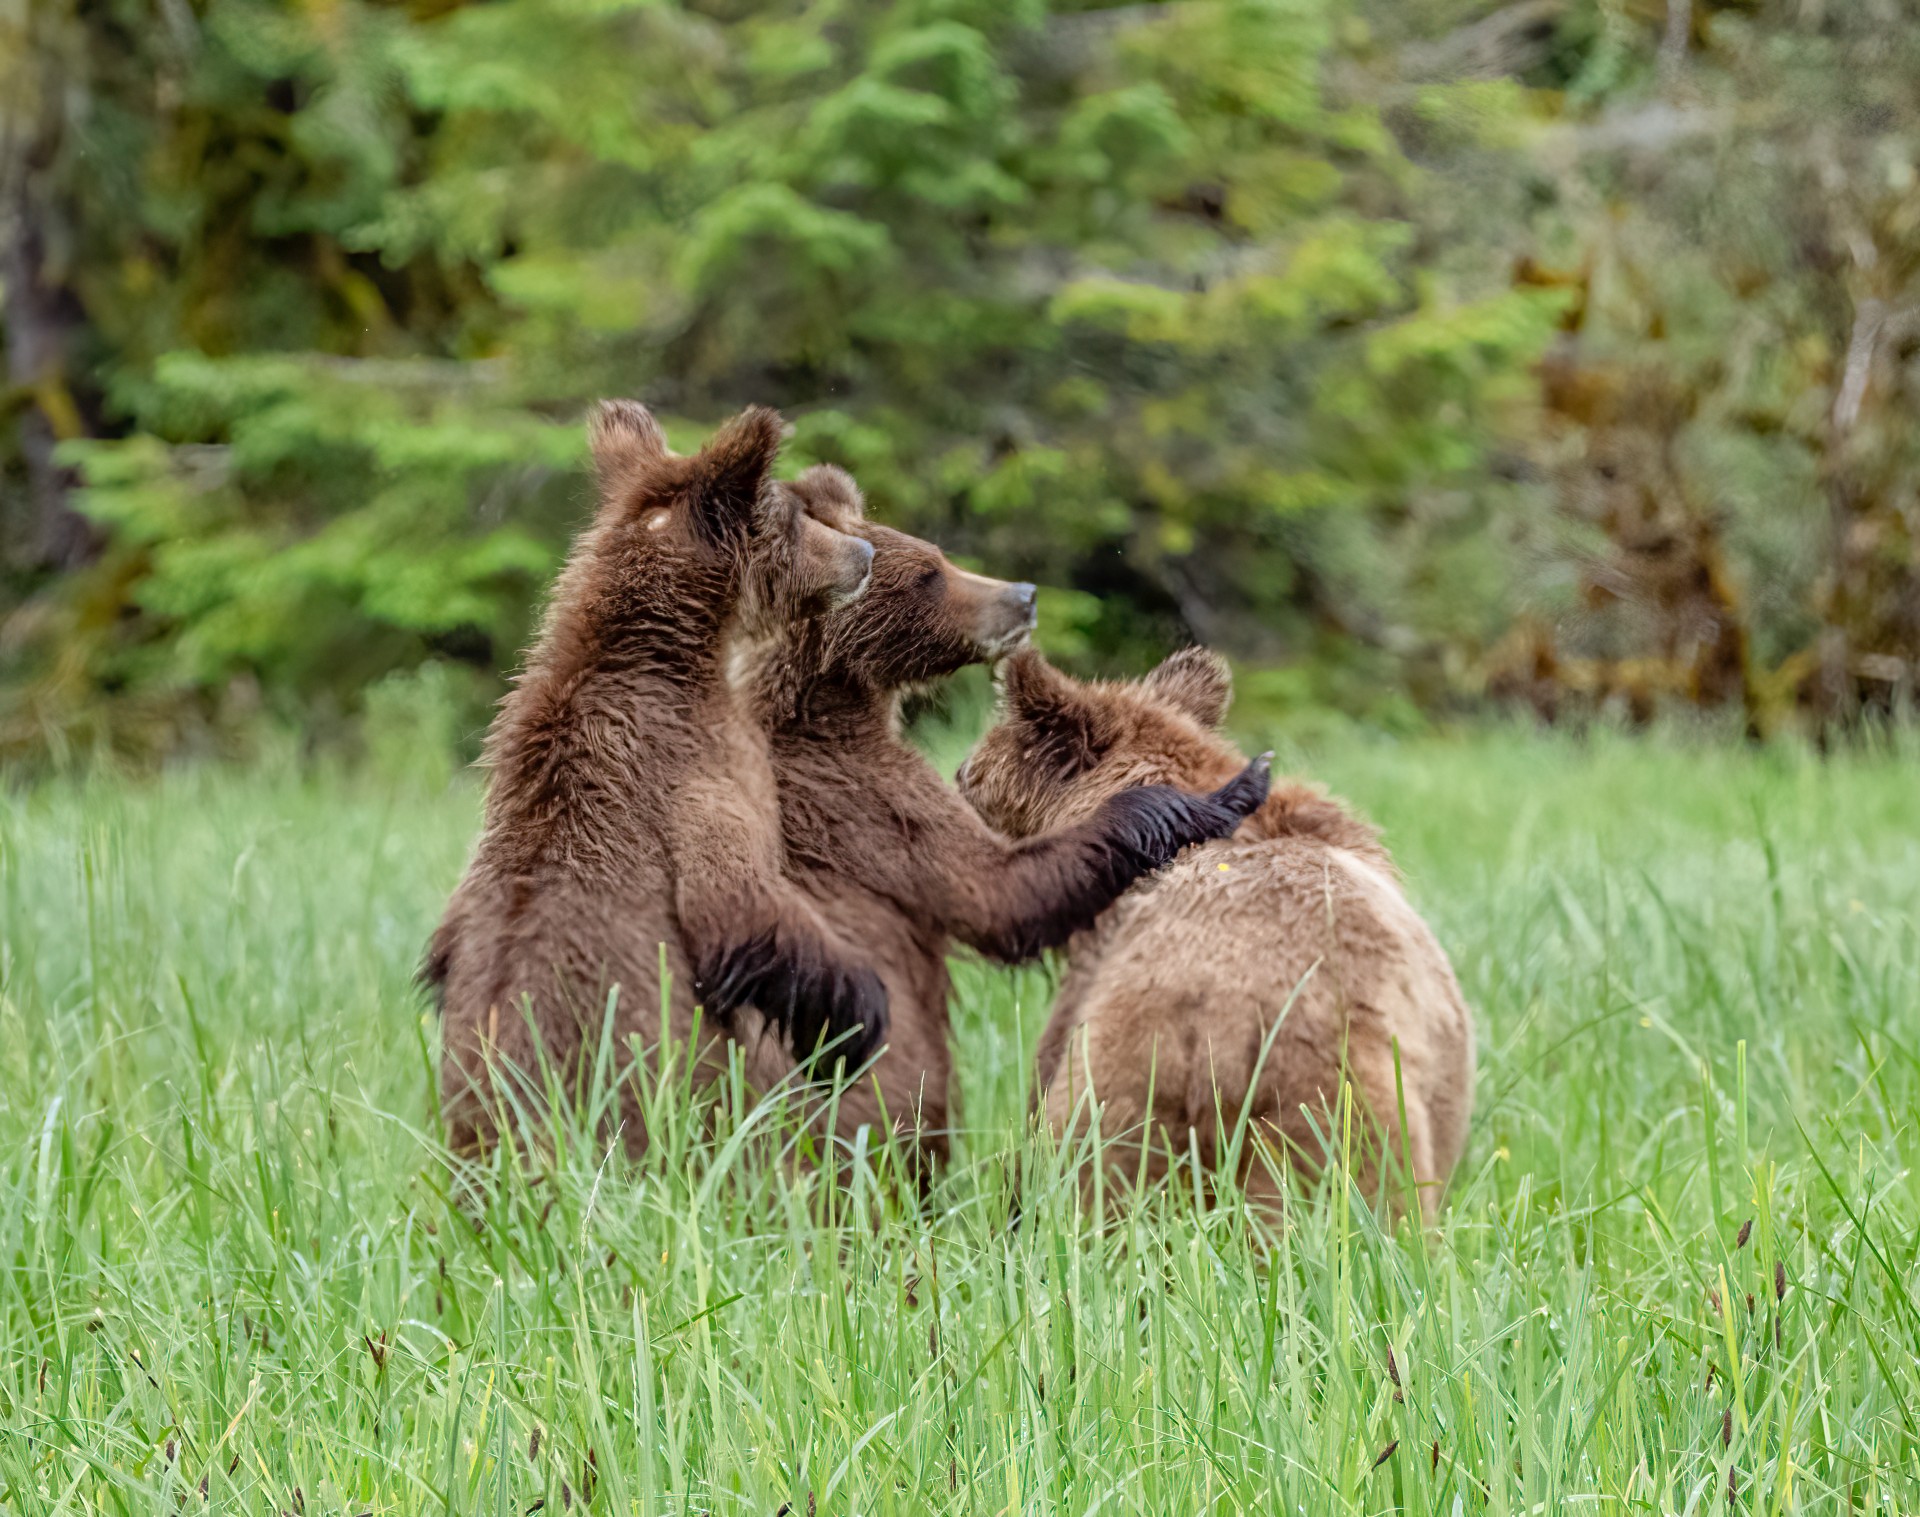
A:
(1035, 894)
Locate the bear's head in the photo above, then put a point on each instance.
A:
(921, 617)
(1062, 746)
(717, 521)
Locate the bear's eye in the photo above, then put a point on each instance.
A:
(928, 578)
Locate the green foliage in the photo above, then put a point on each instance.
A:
(235, 1254)
(1127, 303)
(1417, 351)
(1739, 211)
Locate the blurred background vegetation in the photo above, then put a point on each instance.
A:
(1426, 356)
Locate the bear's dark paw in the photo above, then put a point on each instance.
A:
(1154, 822)
(1244, 794)
(1148, 825)
(864, 1019)
(833, 1010)
(728, 977)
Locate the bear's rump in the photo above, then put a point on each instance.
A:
(1268, 982)
(534, 970)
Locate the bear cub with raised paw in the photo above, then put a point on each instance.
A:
(632, 820)
(889, 852)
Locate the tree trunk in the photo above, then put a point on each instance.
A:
(46, 532)
(41, 531)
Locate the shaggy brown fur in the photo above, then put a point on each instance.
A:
(632, 821)
(1252, 976)
(890, 853)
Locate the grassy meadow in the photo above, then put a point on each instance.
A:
(1676, 1272)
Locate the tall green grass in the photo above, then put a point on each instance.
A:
(1676, 1270)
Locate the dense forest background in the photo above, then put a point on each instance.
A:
(1424, 355)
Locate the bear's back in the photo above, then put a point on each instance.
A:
(1252, 969)
(568, 899)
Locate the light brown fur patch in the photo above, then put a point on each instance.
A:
(1254, 976)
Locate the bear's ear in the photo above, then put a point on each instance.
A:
(727, 475)
(830, 495)
(1066, 729)
(1031, 687)
(626, 442)
(1196, 681)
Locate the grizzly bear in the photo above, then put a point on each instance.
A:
(1254, 977)
(632, 827)
(888, 851)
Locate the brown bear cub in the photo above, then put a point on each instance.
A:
(1251, 978)
(632, 821)
(888, 851)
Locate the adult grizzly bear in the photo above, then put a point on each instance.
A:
(631, 819)
(1255, 975)
(887, 850)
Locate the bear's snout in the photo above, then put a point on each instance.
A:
(1003, 615)
(1019, 610)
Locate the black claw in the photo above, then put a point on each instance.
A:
(1247, 791)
